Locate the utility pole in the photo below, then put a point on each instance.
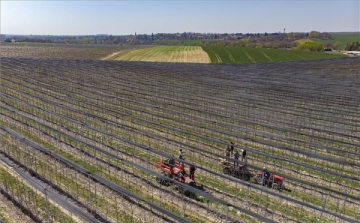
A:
(227, 213)
(47, 205)
(89, 192)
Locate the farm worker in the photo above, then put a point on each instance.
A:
(236, 156)
(231, 148)
(171, 164)
(227, 152)
(192, 172)
(182, 166)
(181, 154)
(182, 175)
(243, 154)
(266, 174)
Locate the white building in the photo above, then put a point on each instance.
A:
(352, 53)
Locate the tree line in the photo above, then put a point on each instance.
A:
(355, 46)
(252, 40)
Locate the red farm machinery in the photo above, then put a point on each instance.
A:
(274, 181)
(176, 171)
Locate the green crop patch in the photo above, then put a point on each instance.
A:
(260, 55)
(343, 38)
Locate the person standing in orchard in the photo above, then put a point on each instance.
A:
(172, 164)
(232, 147)
(236, 156)
(243, 155)
(227, 152)
(192, 172)
(181, 154)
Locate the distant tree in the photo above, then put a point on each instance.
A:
(355, 46)
(328, 45)
(291, 35)
(325, 35)
(296, 35)
(266, 45)
(311, 46)
(337, 45)
(314, 34)
(221, 43)
(275, 45)
(235, 43)
(349, 47)
(245, 43)
(116, 40)
(134, 42)
(152, 36)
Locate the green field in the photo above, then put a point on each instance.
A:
(258, 55)
(197, 54)
(343, 38)
(188, 54)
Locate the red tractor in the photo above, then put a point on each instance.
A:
(274, 181)
(174, 170)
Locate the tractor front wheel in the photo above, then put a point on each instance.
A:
(162, 181)
(258, 179)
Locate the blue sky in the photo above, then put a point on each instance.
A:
(127, 17)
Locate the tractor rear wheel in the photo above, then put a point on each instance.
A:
(159, 180)
(276, 186)
(237, 174)
(162, 181)
(180, 189)
(246, 176)
(226, 170)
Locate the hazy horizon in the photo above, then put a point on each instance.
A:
(146, 17)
